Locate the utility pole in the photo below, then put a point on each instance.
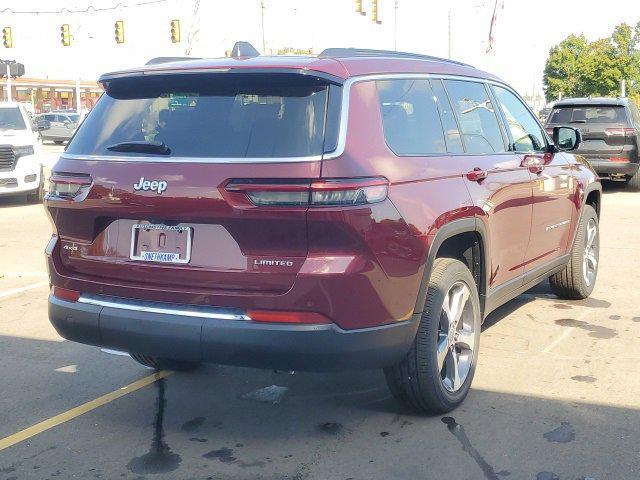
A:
(395, 25)
(449, 33)
(623, 88)
(264, 45)
(78, 96)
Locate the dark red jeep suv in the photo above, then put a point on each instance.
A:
(358, 209)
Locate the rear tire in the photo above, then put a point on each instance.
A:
(633, 183)
(577, 279)
(164, 363)
(436, 373)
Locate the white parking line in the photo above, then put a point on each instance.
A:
(17, 291)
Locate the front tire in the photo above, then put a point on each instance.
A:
(164, 363)
(577, 279)
(436, 373)
(38, 195)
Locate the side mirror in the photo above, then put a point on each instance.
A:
(566, 138)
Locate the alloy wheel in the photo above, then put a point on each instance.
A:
(456, 337)
(590, 258)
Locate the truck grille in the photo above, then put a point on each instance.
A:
(7, 158)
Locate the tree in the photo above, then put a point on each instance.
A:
(577, 68)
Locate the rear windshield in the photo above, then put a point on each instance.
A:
(11, 119)
(208, 115)
(590, 114)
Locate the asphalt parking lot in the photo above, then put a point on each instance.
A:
(556, 395)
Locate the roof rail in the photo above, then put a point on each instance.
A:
(365, 52)
(157, 60)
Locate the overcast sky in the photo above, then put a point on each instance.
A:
(525, 30)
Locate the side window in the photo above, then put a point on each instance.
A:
(451, 132)
(477, 119)
(410, 117)
(526, 134)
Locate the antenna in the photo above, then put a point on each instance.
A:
(244, 50)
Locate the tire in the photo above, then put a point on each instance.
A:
(633, 183)
(574, 282)
(164, 363)
(418, 380)
(38, 195)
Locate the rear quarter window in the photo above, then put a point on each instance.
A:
(410, 117)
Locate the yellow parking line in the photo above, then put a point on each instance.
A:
(63, 417)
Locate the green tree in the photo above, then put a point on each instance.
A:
(576, 67)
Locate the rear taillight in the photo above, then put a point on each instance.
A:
(549, 131)
(620, 132)
(66, 294)
(273, 316)
(68, 185)
(619, 159)
(317, 193)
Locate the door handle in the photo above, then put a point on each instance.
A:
(477, 174)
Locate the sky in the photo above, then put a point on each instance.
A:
(525, 30)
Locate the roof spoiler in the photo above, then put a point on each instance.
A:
(244, 50)
(158, 60)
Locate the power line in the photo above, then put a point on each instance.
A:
(90, 8)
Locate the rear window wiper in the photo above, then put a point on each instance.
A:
(578, 121)
(157, 148)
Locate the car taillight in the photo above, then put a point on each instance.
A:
(549, 131)
(620, 131)
(272, 316)
(67, 185)
(66, 294)
(619, 159)
(316, 193)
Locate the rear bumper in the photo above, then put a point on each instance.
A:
(200, 336)
(606, 168)
(25, 177)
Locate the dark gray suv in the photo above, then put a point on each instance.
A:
(609, 128)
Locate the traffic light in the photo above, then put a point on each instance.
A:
(375, 14)
(175, 31)
(6, 37)
(65, 35)
(119, 31)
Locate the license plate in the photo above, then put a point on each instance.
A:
(160, 243)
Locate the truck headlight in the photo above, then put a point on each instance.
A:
(23, 151)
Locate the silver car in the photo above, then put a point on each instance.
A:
(57, 126)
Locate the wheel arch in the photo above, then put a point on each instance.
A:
(466, 240)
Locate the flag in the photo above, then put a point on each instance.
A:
(497, 9)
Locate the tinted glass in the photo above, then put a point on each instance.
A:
(230, 115)
(451, 132)
(635, 112)
(477, 119)
(410, 117)
(589, 114)
(526, 134)
(11, 119)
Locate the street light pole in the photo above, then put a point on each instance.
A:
(8, 81)
(449, 33)
(395, 25)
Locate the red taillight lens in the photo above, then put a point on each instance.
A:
(66, 294)
(68, 185)
(272, 316)
(317, 193)
(619, 159)
(549, 131)
(620, 132)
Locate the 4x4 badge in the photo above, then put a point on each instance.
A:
(157, 186)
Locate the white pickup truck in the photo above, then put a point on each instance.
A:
(21, 170)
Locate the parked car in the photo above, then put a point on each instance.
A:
(544, 113)
(359, 209)
(58, 126)
(609, 128)
(21, 171)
